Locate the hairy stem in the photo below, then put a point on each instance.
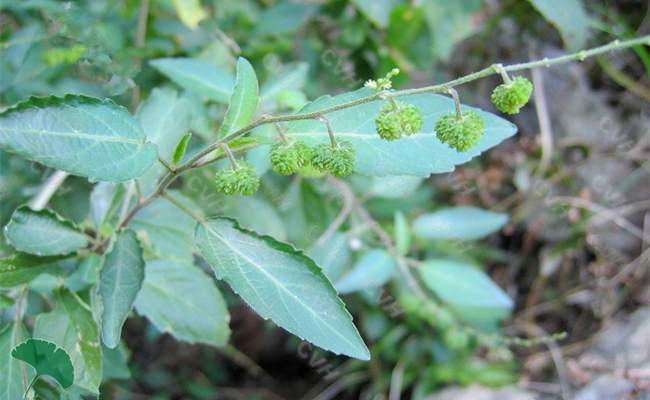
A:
(193, 162)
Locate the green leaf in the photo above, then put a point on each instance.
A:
(402, 233)
(43, 233)
(243, 101)
(78, 134)
(71, 326)
(180, 299)
(181, 148)
(333, 256)
(197, 76)
(169, 230)
(21, 268)
(450, 22)
(292, 77)
(6, 301)
(418, 155)
(165, 117)
(47, 359)
(376, 11)
(284, 17)
(464, 223)
(11, 371)
(189, 12)
(569, 17)
(374, 269)
(280, 283)
(120, 281)
(468, 290)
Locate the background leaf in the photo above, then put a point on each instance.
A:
(467, 290)
(21, 268)
(197, 76)
(418, 155)
(43, 233)
(120, 281)
(71, 326)
(333, 256)
(376, 11)
(465, 223)
(165, 117)
(180, 299)
(243, 101)
(375, 268)
(11, 372)
(569, 17)
(280, 283)
(47, 359)
(77, 134)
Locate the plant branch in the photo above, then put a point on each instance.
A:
(194, 162)
(47, 190)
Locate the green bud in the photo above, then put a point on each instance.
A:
(395, 120)
(461, 133)
(237, 180)
(337, 160)
(510, 97)
(289, 157)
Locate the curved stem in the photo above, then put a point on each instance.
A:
(439, 88)
(330, 131)
(231, 157)
(454, 95)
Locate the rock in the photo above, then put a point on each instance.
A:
(476, 392)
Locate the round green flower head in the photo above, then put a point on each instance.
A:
(460, 133)
(510, 97)
(337, 160)
(289, 157)
(237, 180)
(395, 120)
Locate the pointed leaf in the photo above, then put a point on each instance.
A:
(47, 359)
(78, 134)
(197, 76)
(165, 117)
(180, 299)
(418, 155)
(280, 283)
(21, 268)
(244, 99)
(569, 17)
(71, 326)
(43, 233)
(11, 371)
(181, 148)
(465, 223)
(120, 281)
(375, 268)
(468, 290)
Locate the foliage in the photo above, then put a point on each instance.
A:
(156, 140)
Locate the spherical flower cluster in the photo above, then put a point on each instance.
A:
(396, 120)
(460, 133)
(289, 157)
(510, 97)
(337, 160)
(241, 179)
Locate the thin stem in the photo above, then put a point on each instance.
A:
(278, 128)
(29, 387)
(47, 191)
(454, 95)
(165, 164)
(231, 156)
(330, 131)
(193, 162)
(504, 74)
(183, 207)
(394, 103)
